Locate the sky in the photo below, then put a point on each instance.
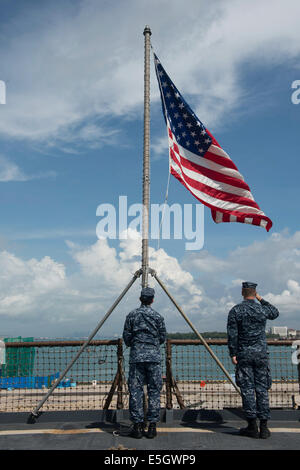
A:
(71, 139)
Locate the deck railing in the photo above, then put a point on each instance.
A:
(98, 379)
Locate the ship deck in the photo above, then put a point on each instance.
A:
(179, 430)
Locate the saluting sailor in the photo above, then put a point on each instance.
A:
(248, 350)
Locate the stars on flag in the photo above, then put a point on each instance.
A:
(177, 109)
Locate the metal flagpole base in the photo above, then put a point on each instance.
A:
(153, 273)
(35, 413)
(33, 417)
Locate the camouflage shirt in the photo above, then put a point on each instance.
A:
(246, 327)
(144, 331)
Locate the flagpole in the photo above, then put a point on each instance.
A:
(146, 159)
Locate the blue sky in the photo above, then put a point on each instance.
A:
(71, 135)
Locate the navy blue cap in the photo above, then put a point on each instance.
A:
(147, 292)
(248, 285)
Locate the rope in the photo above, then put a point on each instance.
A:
(165, 202)
(169, 173)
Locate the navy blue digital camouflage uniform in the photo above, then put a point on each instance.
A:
(247, 341)
(144, 331)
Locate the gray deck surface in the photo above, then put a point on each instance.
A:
(79, 431)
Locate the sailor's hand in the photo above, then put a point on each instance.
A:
(234, 361)
(258, 296)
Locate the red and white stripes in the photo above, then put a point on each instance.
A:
(215, 181)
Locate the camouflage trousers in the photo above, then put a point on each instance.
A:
(140, 374)
(254, 379)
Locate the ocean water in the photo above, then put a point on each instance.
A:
(189, 362)
(197, 364)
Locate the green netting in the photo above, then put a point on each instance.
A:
(19, 361)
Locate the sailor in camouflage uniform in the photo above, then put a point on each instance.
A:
(144, 331)
(248, 350)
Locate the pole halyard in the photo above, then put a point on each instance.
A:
(146, 159)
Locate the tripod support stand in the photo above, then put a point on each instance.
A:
(34, 414)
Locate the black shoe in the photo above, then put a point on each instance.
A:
(137, 431)
(264, 432)
(251, 430)
(152, 431)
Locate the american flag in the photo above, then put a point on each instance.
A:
(200, 163)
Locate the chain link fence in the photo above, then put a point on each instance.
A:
(195, 381)
(98, 379)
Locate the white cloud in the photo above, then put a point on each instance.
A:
(160, 145)
(41, 292)
(9, 171)
(24, 284)
(70, 64)
(289, 299)
(207, 263)
(274, 264)
(44, 297)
